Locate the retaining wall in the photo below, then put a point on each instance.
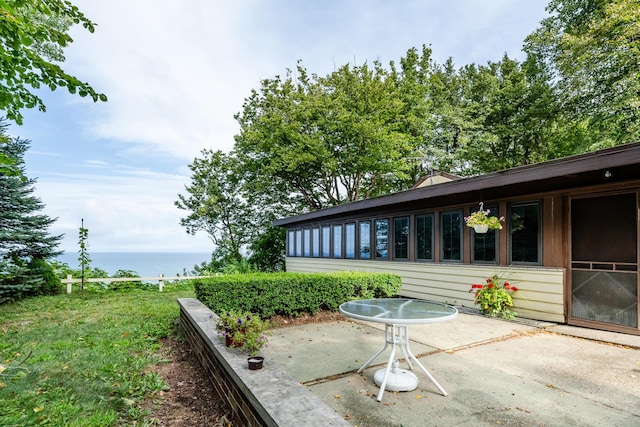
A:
(265, 397)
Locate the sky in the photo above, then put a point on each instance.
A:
(176, 72)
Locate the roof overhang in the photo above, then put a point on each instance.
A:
(614, 164)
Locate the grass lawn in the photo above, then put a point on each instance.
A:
(83, 359)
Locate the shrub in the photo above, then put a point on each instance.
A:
(292, 294)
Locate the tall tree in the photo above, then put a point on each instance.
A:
(215, 205)
(25, 241)
(323, 141)
(32, 36)
(514, 109)
(592, 46)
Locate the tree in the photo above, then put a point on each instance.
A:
(513, 107)
(323, 141)
(83, 255)
(25, 242)
(32, 36)
(592, 47)
(216, 206)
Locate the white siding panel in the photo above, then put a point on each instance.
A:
(540, 295)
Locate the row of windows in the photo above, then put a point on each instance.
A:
(399, 238)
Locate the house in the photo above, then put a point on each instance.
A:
(569, 243)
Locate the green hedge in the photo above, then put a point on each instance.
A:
(292, 294)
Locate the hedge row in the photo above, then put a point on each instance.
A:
(292, 294)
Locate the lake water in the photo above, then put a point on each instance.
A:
(146, 264)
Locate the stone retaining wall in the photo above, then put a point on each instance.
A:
(266, 397)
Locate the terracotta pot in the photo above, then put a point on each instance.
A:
(229, 342)
(255, 362)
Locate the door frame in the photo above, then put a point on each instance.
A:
(569, 287)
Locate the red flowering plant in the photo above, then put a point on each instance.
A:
(495, 297)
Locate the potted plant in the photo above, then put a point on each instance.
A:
(232, 326)
(481, 222)
(494, 297)
(255, 340)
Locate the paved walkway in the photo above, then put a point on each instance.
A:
(496, 372)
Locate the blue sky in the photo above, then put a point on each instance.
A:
(176, 73)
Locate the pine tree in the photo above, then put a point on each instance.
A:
(25, 242)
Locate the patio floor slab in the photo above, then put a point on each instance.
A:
(495, 372)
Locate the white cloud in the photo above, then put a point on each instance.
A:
(176, 72)
(126, 210)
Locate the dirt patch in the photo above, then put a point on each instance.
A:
(191, 399)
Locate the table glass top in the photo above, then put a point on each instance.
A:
(398, 310)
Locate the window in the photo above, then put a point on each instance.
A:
(365, 240)
(350, 241)
(525, 233)
(306, 242)
(291, 249)
(401, 238)
(326, 242)
(337, 241)
(451, 236)
(484, 245)
(424, 237)
(298, 242)
(315, 242)
(382, 238)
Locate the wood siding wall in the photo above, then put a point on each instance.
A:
(540, 295)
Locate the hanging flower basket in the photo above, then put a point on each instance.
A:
(481, 222)
(481, 228)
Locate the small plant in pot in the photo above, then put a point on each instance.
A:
(255, 340)
(232, 326)
(494, 297)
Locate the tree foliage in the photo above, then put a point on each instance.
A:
(593, 47)
(32, 36)
(324, 140)
(308, 142)
(25, 242)
(215, 205)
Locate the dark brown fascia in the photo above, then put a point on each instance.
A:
(567, 172)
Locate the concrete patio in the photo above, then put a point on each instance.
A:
(496, 372)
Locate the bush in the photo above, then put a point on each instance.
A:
(292, 294)
(50, 283)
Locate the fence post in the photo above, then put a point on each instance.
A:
(69, 283)
(160, 282)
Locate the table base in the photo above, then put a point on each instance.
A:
(398, 335)
(398, 379)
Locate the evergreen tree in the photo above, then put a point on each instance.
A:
(25, 243)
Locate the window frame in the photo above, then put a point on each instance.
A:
(315, 242)
(291, 243)
(359, 239)
(350, 243)
(375, 239)
(325, 241)
(306, 242)
(496, 234)
(539, 237)
(337, 231)
(407, 221)
(432, 237)
(460, 236)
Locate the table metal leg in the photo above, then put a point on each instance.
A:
(433, 380)
(398, 335)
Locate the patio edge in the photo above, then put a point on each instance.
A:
(266, 397)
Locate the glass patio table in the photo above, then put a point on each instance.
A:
(397, 314)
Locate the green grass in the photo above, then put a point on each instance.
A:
(83, 359)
